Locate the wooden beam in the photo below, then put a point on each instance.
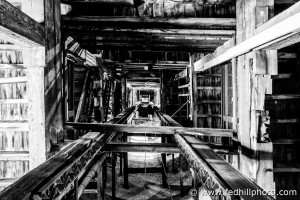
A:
(126, 22)
(141, 147)
(106, 2)
(151, 47)
(167, 130)
(199, 65)
(93, 30)
(279, 28)
(217, 175)
(19, 26)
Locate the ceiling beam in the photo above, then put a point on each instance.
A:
(20, 27)
(94, 30)
(134, 22)
(148, 47)
(112, 2)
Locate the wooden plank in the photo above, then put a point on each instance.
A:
(285, 121)
(13, 101)
(282, 76)
(129, 21)
(286, 141)
(93, 30)
(20, 79)
(11, 66)
(283, 168)
(16, 156)
(12, 124)
(147, 129)
(82, 97)
(19, 26)
(199, 65)
(10, 47)
(282, 96)
(141, 147)
(284, 55)
(113, 2)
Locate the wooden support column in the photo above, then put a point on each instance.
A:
(195, 185)
(100, 183)
(164, 163)
(252, 73)
(193, 91)
(124, 104)
(34, 59)
(125, 157)
(181, 174)
(113, 176)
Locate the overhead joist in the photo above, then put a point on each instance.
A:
(149, 47)
(282, 27)
(105, 2)
(17, 26)
(93, 30)
(146, 129)
(134, 22)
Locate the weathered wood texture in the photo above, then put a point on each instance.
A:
(141, 147)
(19, 26)
(148, 22)
(52, 169)
(160, 8)
(158, 130)
(14, 133)
(217, 171)
(52, 74)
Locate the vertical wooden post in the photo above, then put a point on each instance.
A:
(104, 177)
(113, 176)
(123, 83)
(121, 164)
(76, 189)
(164, 160)
(34, 61)
(173, 163)
(100, 183)
(193, 92)
(195, 184)
(181, 175)
(125, 171)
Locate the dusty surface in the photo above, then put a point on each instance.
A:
(149, 185)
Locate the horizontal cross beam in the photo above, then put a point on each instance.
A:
(167, 130)
(141, 147)
(133, 22)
